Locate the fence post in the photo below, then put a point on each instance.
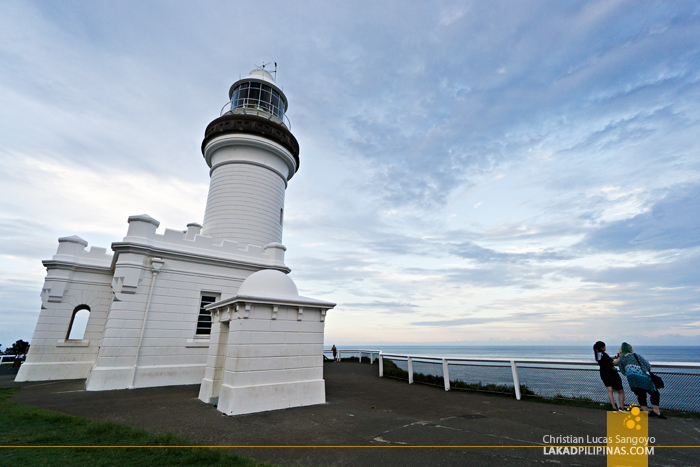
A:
(410, 370)
(340, 359)
(381, 366)
(371, 358)
(516, 380)
(446, 374)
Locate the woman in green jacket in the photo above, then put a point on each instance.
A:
(637, 369)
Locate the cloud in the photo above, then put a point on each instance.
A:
(455, 322)
(674, 272)
(511, 319)
(571, 126)
(24, 238)
(382, 304)
(671, 223)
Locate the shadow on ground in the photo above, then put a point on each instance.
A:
(367, 421)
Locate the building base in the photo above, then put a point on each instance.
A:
(110, 378)
(264, 397)
(209, 391)
(53, 370)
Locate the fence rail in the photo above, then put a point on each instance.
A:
(354, 354)
(7, 359)
(254, 107)
(531, 377)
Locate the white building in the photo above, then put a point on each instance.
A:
(147, 308)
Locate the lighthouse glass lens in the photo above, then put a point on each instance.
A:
(275, 100)
(236, 95)
(258, 96)
(240, 94)
(265, 98)
(278, 104)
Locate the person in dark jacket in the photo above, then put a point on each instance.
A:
(637, 369)
(609, 375)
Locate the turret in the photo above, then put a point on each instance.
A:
(252, 155)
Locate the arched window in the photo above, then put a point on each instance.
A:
(78, 323)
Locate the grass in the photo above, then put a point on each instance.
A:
(37, 428)
(391, 370)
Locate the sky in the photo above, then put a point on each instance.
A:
(523, 172)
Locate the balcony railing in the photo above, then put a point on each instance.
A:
(257, 108)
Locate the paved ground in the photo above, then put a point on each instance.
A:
(367, 421)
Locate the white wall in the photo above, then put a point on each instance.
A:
(75, 277)
(249, 176)
(270, 363)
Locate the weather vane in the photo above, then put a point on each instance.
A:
(262, 67)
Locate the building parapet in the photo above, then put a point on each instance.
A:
(142, 232)
(73, 250)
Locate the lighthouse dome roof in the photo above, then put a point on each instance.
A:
(262, 75)
(268, 282)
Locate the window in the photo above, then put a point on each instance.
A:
(78, 323)
(278, 104)
(254, 94)
(258, 96)
(281, 216)
(204, 319)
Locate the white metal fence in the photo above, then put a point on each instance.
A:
(567, 379)
(7, 359)
(354, 354)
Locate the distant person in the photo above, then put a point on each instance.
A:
(609, 375)
(335, 353)
(18, 359)
(637, 369)
(21, 348)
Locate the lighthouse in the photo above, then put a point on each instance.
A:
(251, 154)
(211, 304)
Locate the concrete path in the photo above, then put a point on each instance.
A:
(367, 421)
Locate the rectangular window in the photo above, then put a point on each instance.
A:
(204, 319)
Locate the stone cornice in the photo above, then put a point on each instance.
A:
(251, 124)
(293, 302)
(149, 250)
(73, 266)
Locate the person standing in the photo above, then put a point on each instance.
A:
(335, 353)
(609, 375)
(637, 369)
(21, 347)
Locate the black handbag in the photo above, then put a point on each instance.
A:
(656, 379)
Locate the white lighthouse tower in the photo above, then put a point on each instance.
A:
(252, 155)
(209, 305)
